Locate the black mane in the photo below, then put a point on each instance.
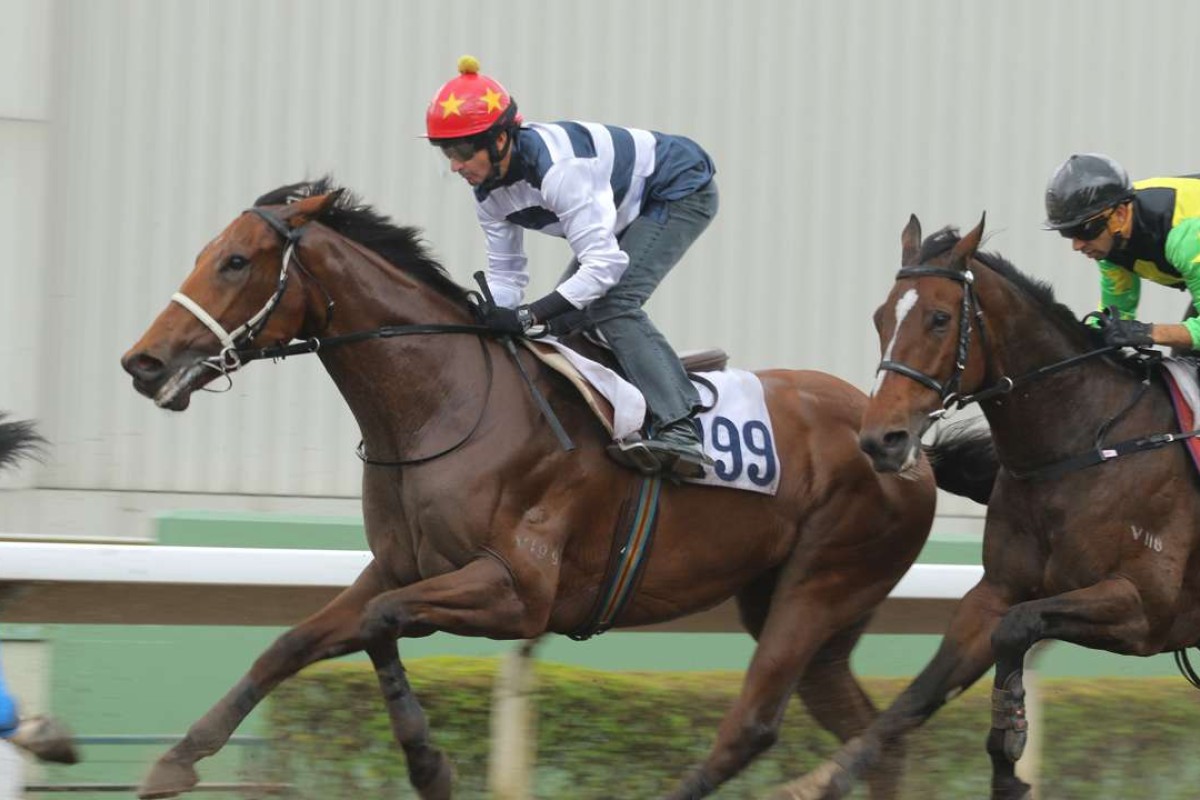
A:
(1039, 291)
(400, 246)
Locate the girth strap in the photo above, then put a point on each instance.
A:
(625, 563)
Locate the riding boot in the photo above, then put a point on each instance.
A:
(678, 448)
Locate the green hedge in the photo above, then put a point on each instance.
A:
(631, 735)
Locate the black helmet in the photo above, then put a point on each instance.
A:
(1083, 186)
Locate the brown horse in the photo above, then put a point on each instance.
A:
(1068, 553)
(491, 528)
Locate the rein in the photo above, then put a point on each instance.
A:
(235, 352)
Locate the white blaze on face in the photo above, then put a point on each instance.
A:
(218, 240)
(903, 306)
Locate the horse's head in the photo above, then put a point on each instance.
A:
(243, 290)
(929, 355)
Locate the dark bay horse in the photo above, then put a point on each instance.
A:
(1083, 548)
(492, 529)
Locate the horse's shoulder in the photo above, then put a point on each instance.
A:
(814, 402)
(820, 387)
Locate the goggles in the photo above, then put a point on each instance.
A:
(461, 150)
(1088, 229)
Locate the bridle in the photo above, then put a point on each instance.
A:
(236, 350)
(235, 343)
(949, 391)
(952, 399)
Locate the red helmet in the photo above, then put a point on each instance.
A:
(469, 104)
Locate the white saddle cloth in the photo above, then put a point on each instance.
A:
(736, 432)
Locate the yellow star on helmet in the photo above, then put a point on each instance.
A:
(492, 98)
(450, 106)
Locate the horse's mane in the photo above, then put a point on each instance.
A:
(402, 247)
(1039, 291)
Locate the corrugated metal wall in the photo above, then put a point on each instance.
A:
(829, 122)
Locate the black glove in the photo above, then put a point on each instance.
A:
(1127, 333)
(508, 320)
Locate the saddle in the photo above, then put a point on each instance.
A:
(625, 425)
(591, 345)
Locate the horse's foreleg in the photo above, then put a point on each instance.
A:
(1108, 614)
(331, 632)
(429, 770)
(964, 656)
(479, 599)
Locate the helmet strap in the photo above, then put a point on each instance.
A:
(505, 124)
(1118, 235)
(496, 156)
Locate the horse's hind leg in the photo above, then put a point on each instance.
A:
(1108, 614)
(836, 700)
(962, 658)
(831, 693)
(331, 632)
(799, 622)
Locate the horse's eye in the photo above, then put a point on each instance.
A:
(940, 320)
(235, 263)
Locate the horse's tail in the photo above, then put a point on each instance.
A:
(17, 440)
(964, 461)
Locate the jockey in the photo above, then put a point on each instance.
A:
(1148, 229)
(629, 202)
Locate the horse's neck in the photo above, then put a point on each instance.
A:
(1052, 417)
(404, 391)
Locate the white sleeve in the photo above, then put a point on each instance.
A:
(507, 272)
(583, 203)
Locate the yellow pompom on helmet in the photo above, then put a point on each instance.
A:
(470, 104)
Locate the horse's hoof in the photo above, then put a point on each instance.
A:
(168, 778)
(436, 783)
(47, 739)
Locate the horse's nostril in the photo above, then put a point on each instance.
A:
(887, 451)
(142, 366)
(871, 445)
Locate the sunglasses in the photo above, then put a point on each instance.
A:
(1088, 229)
(460, 151)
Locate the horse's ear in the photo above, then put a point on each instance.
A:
(964, 251)
(910, 242)
(310, 208)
